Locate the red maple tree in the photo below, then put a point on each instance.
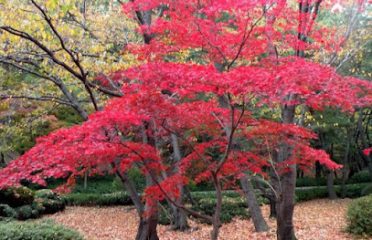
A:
(203, 106)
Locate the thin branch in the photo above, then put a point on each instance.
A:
(42, 98)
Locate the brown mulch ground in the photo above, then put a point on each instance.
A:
(314, 220)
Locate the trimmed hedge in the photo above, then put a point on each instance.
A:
(36, 231)
(352, 191)
(231, 207)
(94, 199)
(309, 182)
(360, 177)
(359, 216)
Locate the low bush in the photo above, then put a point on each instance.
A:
(367, 190)
(359, 216)
(52, 206)
(26, 212)
(36, 231)
(49, 201)
(16, 197)
(360, 177)
(307, 194)
(231, 207)
(309, 181)
(45, 193)
(351, 191)
(165, 215)
(7, 211)
(91, 199)
(98, 185)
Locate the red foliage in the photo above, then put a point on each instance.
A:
(163, 98)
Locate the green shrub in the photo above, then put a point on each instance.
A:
(49, 201)
(52, 206)
(45, 193)
(165, 215)
(309, 181)
(16, 197)
(307, 194)
(360, 177)
(7, 212)
(36, 231)
(367, 190)
(26, 212)
(109, 199)
(352, 190)
(359, 216)
(137, 178)
(231, 207)
(38, 206)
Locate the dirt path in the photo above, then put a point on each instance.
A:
(314, 220)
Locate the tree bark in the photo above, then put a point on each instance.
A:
(330, 185)
(285, 206)
(147, 229)
(149, 222)
(216, 220)
(254, 208)
(179, 215)
(364, 141)
(285, 184)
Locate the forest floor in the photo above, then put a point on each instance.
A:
(314, 220)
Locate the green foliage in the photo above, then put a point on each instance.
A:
(7, 212)
(361, 177)
(52, 206)
(96, 199)
(308, 181)
(165, 215)
(26, 212)
(16, 197)
(50, 201)
(29, 204)
(231, 207)
(45, 193)
(367, 190)
(351, 191)
(203, 186)
(36, 231)
(137, 178)
(98, 185)
(359, 216)
(67, 115)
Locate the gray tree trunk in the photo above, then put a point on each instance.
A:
(254, 208)
(330, 185)
(285, 185)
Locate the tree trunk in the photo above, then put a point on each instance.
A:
(147, 229)
(216, 220)
(179, 215)
(330, 185)
(365, 144)
(272, 203)
(285, 184)
(147, 225)
(259, 222)
(285, 206)
(345, 160)
(179, 221)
